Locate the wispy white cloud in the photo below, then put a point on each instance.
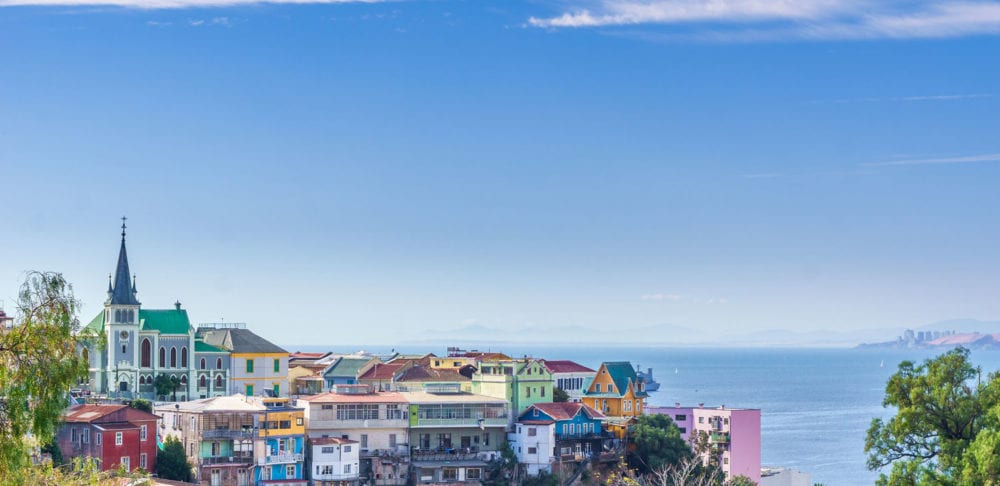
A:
(968, 159)
(659, 296)
(168, 4)
(937, 97)
(764, 20)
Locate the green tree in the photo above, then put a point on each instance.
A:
(559, 395)
(140, 404)
(166, 385)
(171, 462)
(39, 363)
(942, 409)
(503, 470)
(53, 450)
(655, 443)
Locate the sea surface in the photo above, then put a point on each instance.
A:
(816, 404)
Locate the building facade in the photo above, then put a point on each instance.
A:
(114, 435)
(731, 436)
(333, 462)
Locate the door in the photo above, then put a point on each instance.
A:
(216, 477)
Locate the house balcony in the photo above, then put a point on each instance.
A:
(462, 422)
(585, 436)
(227, 434)
(244, 459)
(719, 437)
(401, 423)
(280, 458)
(444, 455)
(399, 450)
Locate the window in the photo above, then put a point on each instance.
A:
(347, 468)
(298, 421)
(290, 471)
(486, 439)
(473, 473)
(680, 418)
(357, 411)
(326, 450)
(145, 353)
(725, 460)
(532, 431)
(701, 420)
(347, 448)
(249, 390)
(118, 438)
(392, 440)
(215, 448)
(249, 366)
(277, 365)
(203, 381)
(326, 469)
(163, 357)
(449, 473)
(532, 450)
(597, 388)
(218, 381)
(326, 406)
(142, 460)
(285, 424)
(425, 441)
(142, 433)
(125, 462)
(86, 436)
(202, 363)
(218, 363)
(173, 357)
(683, 429)
(529, 392)
(277, 390)
(97, 438)
(392, 411)
(184, 357)
(543, 391)
(364, 441)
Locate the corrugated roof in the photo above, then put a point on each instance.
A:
(565, 366)
(347, 367)
(563, 410)
(236, 403)
(90, 412)
(383, 371)
(422, 373)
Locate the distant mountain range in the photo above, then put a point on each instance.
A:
(676, 335)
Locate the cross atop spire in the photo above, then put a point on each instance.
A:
(123, 226)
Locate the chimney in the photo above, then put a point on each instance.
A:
(677, 404)
(701, 405)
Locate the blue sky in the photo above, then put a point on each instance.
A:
(379, 171)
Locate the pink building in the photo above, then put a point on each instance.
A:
(734, 434)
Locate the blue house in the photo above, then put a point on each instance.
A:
(578, 429)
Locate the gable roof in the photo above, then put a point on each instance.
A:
(563, 410)
(383, 371)
(201, 346)
(96, 325)
(423, 373)
(565, 366)
(123, 292)
(91, 413)
(347, 367)
(166, 321)
(622, 373)
(240, 341)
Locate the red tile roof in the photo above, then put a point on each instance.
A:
(302, 355)
(421, 373)
(565, 366)
(565, 410)
(383, 371)
(90, 412)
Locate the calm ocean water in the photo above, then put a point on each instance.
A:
(816, 404)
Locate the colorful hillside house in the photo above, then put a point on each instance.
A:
(617, 392)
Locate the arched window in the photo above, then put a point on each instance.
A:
(118, 315)
(173, 357)
(202, 363)
(163, 357)
(202, 382)
(184, 357)
(131, 316)
(142, 380)
(218, 363)
(184, 379)
(218, 381)
(145, 353)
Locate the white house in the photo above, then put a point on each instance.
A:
(534, 443)
(334, 461)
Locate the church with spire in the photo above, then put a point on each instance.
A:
(131, 346)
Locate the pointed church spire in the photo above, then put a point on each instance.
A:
(122, 293)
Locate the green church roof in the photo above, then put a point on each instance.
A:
(166, 321)
(96, 324)
(203, 347)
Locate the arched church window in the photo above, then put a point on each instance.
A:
(184, 380)
(202, 382)
(131, 316)
(173, 357)
(218, 363)
(202, 363)
(218, 381)
(144, 353)
(184, 357)
(163, 357)
(118, 315)
(142, 380)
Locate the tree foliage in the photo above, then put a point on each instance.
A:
(140, 404)
(945, 430)
(559, 395)
(166, 385)
(82, 472)
(38, 365)
(171, 462)
(655, 443)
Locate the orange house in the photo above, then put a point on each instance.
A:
(617, 391)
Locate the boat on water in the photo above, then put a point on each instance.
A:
(647, 376)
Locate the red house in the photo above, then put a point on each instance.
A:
(112, 434)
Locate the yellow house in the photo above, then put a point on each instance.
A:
(617, 391)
